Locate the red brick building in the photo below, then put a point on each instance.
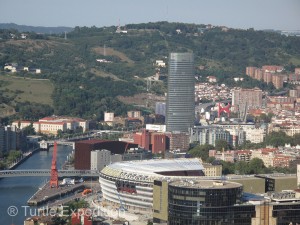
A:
(156, 142)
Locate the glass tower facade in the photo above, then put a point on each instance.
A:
(204, 204)
(181, 95)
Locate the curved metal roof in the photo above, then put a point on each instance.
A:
(147, 170)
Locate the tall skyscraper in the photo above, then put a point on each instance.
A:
(181, 95)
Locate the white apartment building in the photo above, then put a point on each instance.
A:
(100, 159)
(255, 135)
(266, 155)
(109, 116)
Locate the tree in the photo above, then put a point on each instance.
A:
(29, 130)
(241, 167)
(59, 220)
(149, 222)
(201, 151)
(13, 155)
(278, 139)
(210, 159)
(2, 165)
(59, 133)
(222, 144)
(227, 167)
(256, 166)
(296, 139)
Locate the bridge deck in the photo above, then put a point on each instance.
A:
(44, 173)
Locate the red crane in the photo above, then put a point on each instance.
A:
(54, 172)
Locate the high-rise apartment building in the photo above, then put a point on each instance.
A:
(277, 81)
(10, 137)
(250, 71)
(180, 100)
(244, 99)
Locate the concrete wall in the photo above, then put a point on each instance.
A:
(252, 185)
(160, 200)
(285, 183)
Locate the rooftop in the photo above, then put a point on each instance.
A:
(148, 170)
(159, 165)
(205, 184)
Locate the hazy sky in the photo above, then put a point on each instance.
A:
(257, 14)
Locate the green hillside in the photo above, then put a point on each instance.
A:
(86, 88)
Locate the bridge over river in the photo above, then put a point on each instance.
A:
(46, 172)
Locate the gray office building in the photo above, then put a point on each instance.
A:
(181, 97)
(160, 108)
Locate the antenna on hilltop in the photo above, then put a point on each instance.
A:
(65, 35)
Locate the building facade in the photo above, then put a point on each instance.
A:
(83, 150)
(11, 138)
(53, 124)
(204, 202)
(178, 141)
(131, 183)
(209, 135)
(180, 99)
(160, 108)
(211, 202)
(100, 159)
(244, 99)
(154, 141)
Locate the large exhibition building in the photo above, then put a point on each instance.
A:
(130, 183)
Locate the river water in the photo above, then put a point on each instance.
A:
(14, 192)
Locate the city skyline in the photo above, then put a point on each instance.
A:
(268, 14)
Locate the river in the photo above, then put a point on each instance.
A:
(16, 191)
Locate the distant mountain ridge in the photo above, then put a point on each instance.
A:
(36, 29)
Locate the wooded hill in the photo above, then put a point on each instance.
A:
(86, 88)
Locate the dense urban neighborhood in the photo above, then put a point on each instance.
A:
(157, 121)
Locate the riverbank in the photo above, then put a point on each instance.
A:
(23, 159)
(48, 195)
(17, 190)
